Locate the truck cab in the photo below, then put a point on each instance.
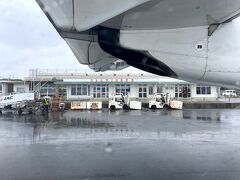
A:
(117, 101)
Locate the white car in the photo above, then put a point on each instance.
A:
(230, 93)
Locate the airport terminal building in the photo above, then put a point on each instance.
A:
(76, 85)
(10, 85)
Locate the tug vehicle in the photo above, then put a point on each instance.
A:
(120, 102)
(164, 101)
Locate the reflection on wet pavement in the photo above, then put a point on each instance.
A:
(207, 141)
(79, 126)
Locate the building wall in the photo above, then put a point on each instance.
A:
(111, 90)
(169, 89)
(2, 88)
(176, 88)
(134, 92)
(5, 88)
(20, 88)
(204, 97)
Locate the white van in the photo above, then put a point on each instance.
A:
(230, 93)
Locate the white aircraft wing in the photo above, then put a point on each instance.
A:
(99, 32)
(74, 20)
(82, 15)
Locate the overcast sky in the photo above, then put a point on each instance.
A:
(28, 40)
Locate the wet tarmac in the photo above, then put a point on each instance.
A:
(188, 144)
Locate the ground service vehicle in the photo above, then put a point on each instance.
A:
(18, 103)
(118, 101)
(163, 100)
(230, 93)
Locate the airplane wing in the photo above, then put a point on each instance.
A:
(99, 31)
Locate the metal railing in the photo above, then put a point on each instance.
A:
(34, 73)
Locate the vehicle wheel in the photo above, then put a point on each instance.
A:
(112, 107)
(166, 107)
(153, 107)
(125, 107)
(20, 111)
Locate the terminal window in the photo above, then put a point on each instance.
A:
(20, 90)
(142, 90)
(123, 88)
(183, 91)
(47, 90)
(150, 90)
(62, 91)
(101, 91)
(203, 89)
(79, 90)
(159, 89)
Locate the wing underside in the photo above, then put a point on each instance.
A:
(79, 21)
